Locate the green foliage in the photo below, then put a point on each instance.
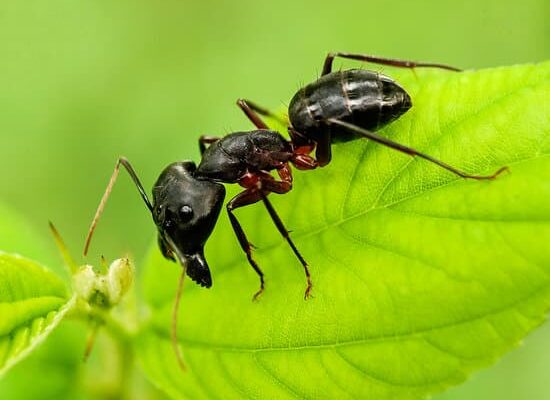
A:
(61, 353)
(419, 277)
(32, 302)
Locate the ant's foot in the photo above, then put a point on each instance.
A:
(500, 171)
(487, 177)
(258, 293)
(307, 294)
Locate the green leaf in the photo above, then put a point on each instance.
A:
(62, 351)
(420, 277)
(32, 303)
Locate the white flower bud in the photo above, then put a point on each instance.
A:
(119, 279)
(104, 290)
(84, 282)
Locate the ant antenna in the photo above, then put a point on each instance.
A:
(67, 258)
(175, 310)
(107, 193)
(174, 332)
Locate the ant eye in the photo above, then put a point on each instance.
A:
(186, 213)
(158, 210)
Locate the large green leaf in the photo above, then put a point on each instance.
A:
(419, 277)
(32, 302)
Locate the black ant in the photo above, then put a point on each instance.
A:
(187, 199)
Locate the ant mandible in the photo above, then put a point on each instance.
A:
(339, 106)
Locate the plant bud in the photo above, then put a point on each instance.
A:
(119, 279)
(104, 290)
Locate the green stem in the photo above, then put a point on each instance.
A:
(121, 334)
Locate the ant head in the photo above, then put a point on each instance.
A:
(185, 211)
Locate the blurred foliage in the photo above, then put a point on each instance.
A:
(83, 82)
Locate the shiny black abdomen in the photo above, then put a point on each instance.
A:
(364, 98)
(228, 159)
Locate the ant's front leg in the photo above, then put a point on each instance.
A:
(249, 196)
(253, 112)
(327, 66)
(204, 140)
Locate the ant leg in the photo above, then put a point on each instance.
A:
(282, 188)
(126, 164)
(323, 151)
(285, 173)
(252, 114)
(206, 139)
(410, 151)
(249, 196)
(304, 162)
(327, 66)
(252, 110)
(301, 149)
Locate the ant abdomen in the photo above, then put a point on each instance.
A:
(360, 97)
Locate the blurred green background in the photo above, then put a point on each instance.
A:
(82, 82)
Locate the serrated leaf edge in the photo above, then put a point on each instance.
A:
(37, 340)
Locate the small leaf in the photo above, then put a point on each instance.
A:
(419, 277)
(32, 302)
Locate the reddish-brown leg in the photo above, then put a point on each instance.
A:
(252, 114)
(258, 186)
(252, 110)
(285, 173)
(327, 66)
(304, 162)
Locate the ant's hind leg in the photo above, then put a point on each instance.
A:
(253, 112)
(327, 66)
(410, 151)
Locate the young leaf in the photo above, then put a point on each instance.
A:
(420, 277)
(32, 302)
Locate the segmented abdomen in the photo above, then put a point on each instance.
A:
(364, 98)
